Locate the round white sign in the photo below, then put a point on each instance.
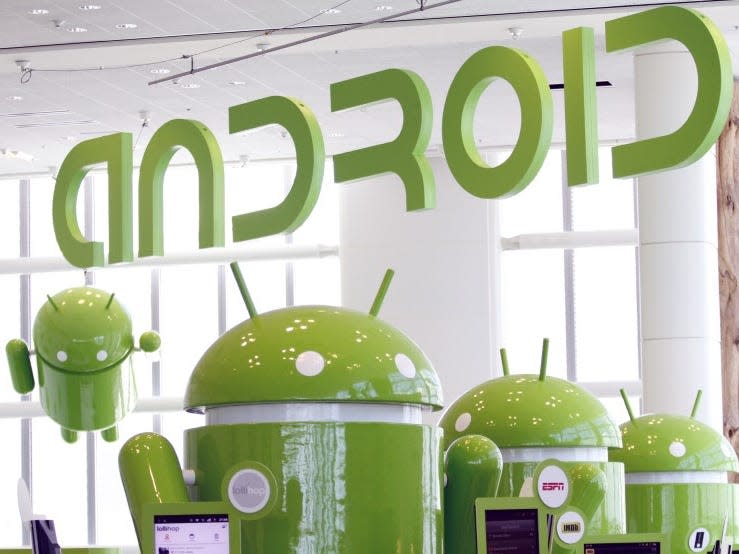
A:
(570, 527)
(699, 540)
(553, 486)
(249, 490)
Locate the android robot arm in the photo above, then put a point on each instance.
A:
(473, 467)
(19, 362)
(151, 474)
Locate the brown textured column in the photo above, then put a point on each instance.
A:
(727, 155)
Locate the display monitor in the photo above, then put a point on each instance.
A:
(191, 534)
(510, 525)
(624, 544)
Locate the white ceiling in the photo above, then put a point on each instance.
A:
(434, 43)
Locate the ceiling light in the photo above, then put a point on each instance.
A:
(76, 30)
(262, 46)
(515, 32)
(332, 11)
(35, 114)
(126, 26)
(383, 8)
(237, 83)
(38, 11)
(336, 134)
(190, 85)
(160, 71)
(54, 124)
(14, 98)
(15, 154)
(70, 138)
(89, 7)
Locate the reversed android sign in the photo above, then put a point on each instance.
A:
(405, 155)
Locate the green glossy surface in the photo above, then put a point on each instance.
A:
(530, 84)
(256, 362)
(581, 114)
(116, 151)
(200, 142)
(151, 474)
(341, 487)
(301, 124)
(521, 410)
(713, 64)
(654, 442)
(597, 490)
(82, 323)
(473, 469)
(677, 510)
(406, 155)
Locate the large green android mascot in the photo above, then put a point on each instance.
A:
(83, 342)
(532, 419)
(313, 436)
(676, 481)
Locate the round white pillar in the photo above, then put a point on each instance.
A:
(678, 254)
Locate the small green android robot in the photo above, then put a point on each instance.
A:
(676, 481)
(83, 344)
(314, 439)
(537, 422)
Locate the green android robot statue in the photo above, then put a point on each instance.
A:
(314, 438)
(532, 419)
(83, 345)
(676, 481)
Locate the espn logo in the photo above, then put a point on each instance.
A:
(552, 486)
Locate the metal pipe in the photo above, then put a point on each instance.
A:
(12, 266)
(571, 239)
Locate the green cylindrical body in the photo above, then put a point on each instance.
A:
(608, 516)
(353, 488)
(677, 510)
(87, 401)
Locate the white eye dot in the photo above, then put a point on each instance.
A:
(405, 366)
(309, 363)
(677, 449)
(102, 355)
(462, 422)
(61, 356)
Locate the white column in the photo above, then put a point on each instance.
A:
(446, 287)
(681, 349)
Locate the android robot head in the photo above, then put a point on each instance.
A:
(83, 343)
(533, 418)
(677, 480)
(314, 436)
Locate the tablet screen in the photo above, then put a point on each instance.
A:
(513, 531)
(191, 534)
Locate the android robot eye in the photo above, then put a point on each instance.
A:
(101, 356)
(61, 356)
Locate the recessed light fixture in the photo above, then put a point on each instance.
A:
(14, 98)
(70, 138)
(126, 26)
(332, 11)
(15, 154)
(237, 83)
(190, 85)
(160, 71)
(383, 8)
(89, 7)
(38, 11)
(336, 134)
(262, 46)
(76, 30)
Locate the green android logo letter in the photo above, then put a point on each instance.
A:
(531, 86)
(581, 121)
(405, 156)
(116, 150)
(83, 343)
(200, 142)
(301, 124)
(715, 87)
